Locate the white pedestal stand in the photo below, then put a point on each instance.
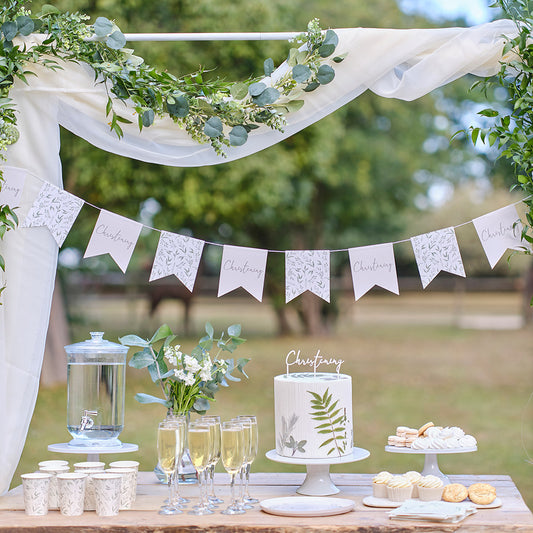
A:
(92, 452)
(431, 465)
(318, 481)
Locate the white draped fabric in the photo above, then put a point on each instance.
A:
(402, 64)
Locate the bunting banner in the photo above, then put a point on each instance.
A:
(55, 209)
(373, 265)
(307, 270)
(499, 231)
(114, 235)
(436, 251)
(243, 267)
(11, 192)
(177, 255)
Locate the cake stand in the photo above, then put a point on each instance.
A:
(431, 464)
(92, 452)
(318, 481)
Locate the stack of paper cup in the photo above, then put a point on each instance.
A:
(107, 492)
(35, 488)
(128, 488)
(53, 497)
(71, 490)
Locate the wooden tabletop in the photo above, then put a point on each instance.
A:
(512, 516)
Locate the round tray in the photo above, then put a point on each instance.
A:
(318, 481)
(92, 452)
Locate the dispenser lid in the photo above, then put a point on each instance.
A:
(96, 344)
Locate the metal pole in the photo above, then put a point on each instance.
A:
(250, 36)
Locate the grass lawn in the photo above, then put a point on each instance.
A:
(404, 371)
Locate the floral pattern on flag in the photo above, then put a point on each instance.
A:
(178, 255)
(56, 209)
(436, 251)
(307, 270)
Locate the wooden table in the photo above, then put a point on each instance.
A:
(512, 516)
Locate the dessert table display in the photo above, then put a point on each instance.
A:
(512, 516)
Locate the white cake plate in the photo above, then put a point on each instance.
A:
(92, 452)
(318, 481)
(431, 464)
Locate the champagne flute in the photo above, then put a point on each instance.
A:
(232, 452)
(167, 450)
(200, 451)
(254, 447)
(214, 425)
(180, 422)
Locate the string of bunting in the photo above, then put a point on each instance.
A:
(180, 255)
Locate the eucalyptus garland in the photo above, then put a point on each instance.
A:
(512, 129)
(210, 111)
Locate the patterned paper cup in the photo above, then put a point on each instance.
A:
(53, 498)
(107, 492)
(90, 499)
(71, 491)
(128, 487)
(35, 488)
(89, 465)
(127, 465)
(53, 462)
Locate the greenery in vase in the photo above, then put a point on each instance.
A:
(189, 382)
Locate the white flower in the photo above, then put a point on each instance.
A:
(205, 374)
(172, 354)
(189, 378)
(180, 374)
(191, 364)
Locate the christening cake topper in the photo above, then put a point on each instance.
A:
(294, 357)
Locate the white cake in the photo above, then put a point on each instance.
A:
(313, 415)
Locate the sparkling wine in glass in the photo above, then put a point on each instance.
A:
(180, 422)
(214, 425)
(232, 453)
(250, 455)
(200, 450)
(168, 446)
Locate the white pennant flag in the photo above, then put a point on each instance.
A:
(373, 265)
(243, 267)
(437, 251)
(12, 187)
(178, 255)
(114, 235)
(499, 231)
(56, 209)
(307, 270)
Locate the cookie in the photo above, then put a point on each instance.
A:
(424, 427)
(482, 493)
(455, 492)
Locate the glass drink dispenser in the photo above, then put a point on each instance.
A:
(96, 378)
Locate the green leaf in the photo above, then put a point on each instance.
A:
(311, 86)
(339, 59)
(10, 30)
(209, 330)
(162, 332)
(116, 40)
(2, 263)
(325, 74)
(25, 25)
(239, 90)
(301, 73)
(294, 105)
(331, 38)
(133, 340)
(102, 27)
(234, 330)
(141, 397)
(213, 127)
(141, 359)
(268, 96)
(326, 50)
(268, 66)
(291, 58)
(178, 106)
(148, 117)
(326, 442)
(238, 136)
(49, 9)
(257, 89)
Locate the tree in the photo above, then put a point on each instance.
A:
(345, 181)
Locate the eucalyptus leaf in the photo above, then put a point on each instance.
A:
(116, 40)
(213, 127)
(331, 38)
(178, 106)
(161, 333)
(141, 397)
(291, 58)
(311, 86)
(49, 9)
(268, 96)
(268, 66)
(238, 136)
(102, 27)
(257, 88)
(133, 340)
(301, 73)
(339, 59)
(326, 50)
(148, 117)
(201, 404)
(234, 330)
(239, 90)
(325, 74)
(141, 359)
(25, 25)
(10, 30)
(294, 105)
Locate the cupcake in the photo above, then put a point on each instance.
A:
(430, 488)
(379, 484)
(414, 478)
(399, 489)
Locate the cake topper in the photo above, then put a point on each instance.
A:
(293, 358)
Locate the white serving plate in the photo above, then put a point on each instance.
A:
(306, 506)
(372, 501)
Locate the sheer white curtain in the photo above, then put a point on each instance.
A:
(402, 64)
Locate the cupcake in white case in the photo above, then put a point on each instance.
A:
(399, 489)
(430, 488)
(414, 478)
(379, 484)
